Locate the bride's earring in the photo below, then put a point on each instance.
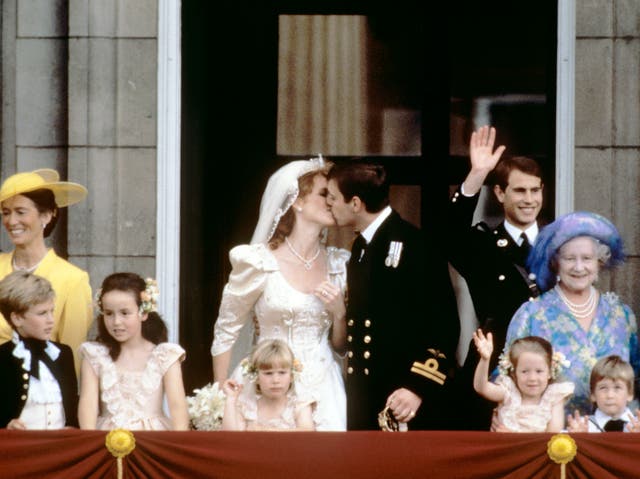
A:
(299, 209)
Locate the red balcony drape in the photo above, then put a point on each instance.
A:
(310, 455)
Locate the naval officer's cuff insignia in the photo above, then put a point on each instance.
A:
(430, 369)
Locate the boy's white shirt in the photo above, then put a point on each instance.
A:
(601, 419)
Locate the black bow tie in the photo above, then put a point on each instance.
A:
(615, 425)
(36, 347)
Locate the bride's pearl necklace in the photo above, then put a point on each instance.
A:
(306, 262)
(580, 311)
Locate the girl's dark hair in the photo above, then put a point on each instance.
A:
(153, 329)
(45, 202)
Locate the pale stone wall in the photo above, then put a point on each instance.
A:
(112, 134)
(79, 94)
(34, 92)
(607, 128)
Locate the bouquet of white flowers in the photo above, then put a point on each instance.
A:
(206, 407)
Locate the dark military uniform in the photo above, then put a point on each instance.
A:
(493, 266)
(15, 383)
(394, 316)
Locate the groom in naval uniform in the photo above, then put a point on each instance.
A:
(493, 260)
(402, 323)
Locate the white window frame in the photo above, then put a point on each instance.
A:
(168, 164)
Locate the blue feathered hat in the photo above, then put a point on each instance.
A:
(565, 228)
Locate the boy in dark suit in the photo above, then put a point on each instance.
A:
(40, 388)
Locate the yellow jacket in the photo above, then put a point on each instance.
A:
(74, 309)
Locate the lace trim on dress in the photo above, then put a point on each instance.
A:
(122, 410)
(248, 407)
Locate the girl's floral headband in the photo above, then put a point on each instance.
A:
(558, 363)
(148, 297)
(251, 372)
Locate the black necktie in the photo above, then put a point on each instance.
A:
(525, 246)
(357, 249)
(615, 425)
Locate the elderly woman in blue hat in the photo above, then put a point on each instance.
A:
(572, 314)
(30, 203)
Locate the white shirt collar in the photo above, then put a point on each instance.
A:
(601, 418)
(515, 232)
(370, 230)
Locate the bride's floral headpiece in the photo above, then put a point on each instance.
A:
(558, 363)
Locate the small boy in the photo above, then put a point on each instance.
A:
(611, 390)
(40, 388)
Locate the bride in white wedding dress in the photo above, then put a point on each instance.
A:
(292, 287)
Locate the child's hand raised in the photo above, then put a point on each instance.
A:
(634, 423)
(231, 388)
(577, 423)
(484, 344)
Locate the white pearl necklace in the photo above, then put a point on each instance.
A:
(306, 262)
(580, 311)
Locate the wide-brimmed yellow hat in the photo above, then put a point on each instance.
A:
(65, 192)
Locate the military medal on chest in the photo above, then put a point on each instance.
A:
(394, 253)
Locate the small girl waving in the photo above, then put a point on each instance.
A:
(267, 400)
(128, 370)
(529, 398)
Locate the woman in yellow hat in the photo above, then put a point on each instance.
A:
(30, 203)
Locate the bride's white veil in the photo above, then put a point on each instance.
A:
(281, 192)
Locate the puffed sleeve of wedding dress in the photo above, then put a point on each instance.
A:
(250, 265)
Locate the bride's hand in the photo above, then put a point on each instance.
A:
(332, 298)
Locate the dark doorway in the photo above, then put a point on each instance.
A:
(441, 60)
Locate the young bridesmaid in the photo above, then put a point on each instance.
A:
(529, 397)
(267, 400)
(126, 373)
